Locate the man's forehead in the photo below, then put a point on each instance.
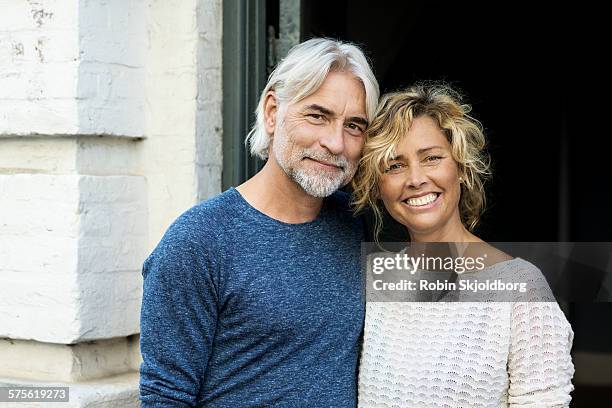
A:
(340, 93)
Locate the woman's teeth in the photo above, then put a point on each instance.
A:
(423, 200)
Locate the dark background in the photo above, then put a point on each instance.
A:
(536, 77)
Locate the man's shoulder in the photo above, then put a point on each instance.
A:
(214, 209)
(205, 220)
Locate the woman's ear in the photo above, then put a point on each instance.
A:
(462, 176)
(270, 111)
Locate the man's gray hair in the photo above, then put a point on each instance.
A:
(303, 71)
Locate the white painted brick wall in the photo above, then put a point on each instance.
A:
(112, 246)
(168, 154)
(80, 214)
(72, 67)
(112, 42)
(209, 117)
(108, 156)
(119, 391)
(37, 155)
(71, 248)
(59, 362)
(38, 66)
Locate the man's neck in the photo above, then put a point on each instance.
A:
(273, 193)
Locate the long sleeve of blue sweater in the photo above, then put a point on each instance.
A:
(179, 314)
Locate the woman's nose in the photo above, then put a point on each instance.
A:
(415, 177)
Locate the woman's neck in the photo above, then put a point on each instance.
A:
(454, 231)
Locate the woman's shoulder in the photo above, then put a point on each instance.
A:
(531, 278)
(492, 254)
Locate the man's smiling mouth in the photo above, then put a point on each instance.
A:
(331, 166)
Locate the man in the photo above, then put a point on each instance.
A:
(253, 298)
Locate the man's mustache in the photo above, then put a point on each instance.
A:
(335, 160)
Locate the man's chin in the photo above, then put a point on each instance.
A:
(316, 187)
(319, 192)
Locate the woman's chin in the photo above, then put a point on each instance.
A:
(421, 227)
(423, 222)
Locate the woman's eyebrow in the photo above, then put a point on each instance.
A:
(425, 149)
(420, 151)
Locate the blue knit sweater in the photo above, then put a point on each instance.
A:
(241, 310)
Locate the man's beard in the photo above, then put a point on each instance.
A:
(315, 183)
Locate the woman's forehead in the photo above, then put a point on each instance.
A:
(424, 134)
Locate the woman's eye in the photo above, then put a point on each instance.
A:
(433, 159)
(394, 168)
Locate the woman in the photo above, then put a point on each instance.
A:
(424, 159)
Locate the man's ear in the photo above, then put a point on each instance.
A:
(270, 111)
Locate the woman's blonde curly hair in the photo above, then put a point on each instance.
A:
(394, 116)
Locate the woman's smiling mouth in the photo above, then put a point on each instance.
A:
(424, 201)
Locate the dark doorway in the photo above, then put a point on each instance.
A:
(529, 72)
(535, 76)
(533, 73)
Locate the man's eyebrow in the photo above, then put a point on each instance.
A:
(359, 120)
(325, 111)
(319, 108)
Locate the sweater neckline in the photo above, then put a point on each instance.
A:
(266, 218)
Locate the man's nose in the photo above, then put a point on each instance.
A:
(333, 139)
(415, 177)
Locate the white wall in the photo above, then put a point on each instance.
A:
(68, 69)
(39, 63)
(110, 127)
(64, 209)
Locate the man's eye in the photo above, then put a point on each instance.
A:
(354, 129)
(315, 116)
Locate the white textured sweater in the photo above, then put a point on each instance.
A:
(467, 354)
